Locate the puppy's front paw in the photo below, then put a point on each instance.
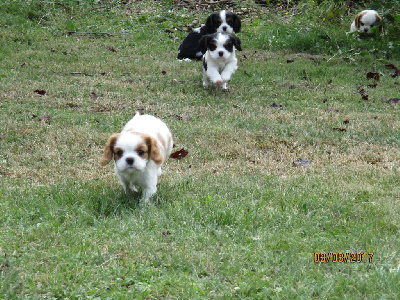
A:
(219, 82)
(225, 77)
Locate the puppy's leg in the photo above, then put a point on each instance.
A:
(206, 80)
(214, 76)
(229, 69)
(224, 87)
(147, 193)
(123, 182)
(133, 187)
(150, 187)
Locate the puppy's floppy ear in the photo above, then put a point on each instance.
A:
(236, 42)
(154, 150)
(210, 23)
(358, 19)
(237, 24)
(109, 149)
(378, 19)
(204, 43)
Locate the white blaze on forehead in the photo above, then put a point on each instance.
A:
(221, 39)
(223, 15)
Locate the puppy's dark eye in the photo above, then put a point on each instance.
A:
(120, 152)
(140, 152)
(362, 24)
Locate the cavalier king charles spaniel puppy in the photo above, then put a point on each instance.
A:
(222, 21)
(139, 151)
(364, 21)
(219, 59)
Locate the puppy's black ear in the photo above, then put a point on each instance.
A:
(237, 24)
(210, 23)
(236, 42)
(204, 43)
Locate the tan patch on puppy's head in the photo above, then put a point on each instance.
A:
(143, 150)
(153, 149)
(378, 19)
(358, 18)
(109, 149)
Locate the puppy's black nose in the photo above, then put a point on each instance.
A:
(366, 29)
(129, 161)
(221, 53)
(224, 28)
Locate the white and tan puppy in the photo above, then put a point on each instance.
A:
(364, 21)
(139, 151)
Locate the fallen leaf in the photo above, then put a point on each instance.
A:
(347, 121)
(45, 118)
(290, 60)
(372, 75)
(179, 117)
(396, 70)
(339, 129)
(93, 96)
(40, 92)
(179, 154)
(330, 108)
(164, 72)
(275, 105)
(364, 96)
(176, 81)
(394, 100)
(165, 233)
(302, 162)
(112, 49)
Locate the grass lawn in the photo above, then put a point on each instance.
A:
(290, 172)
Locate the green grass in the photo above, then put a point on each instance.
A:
(234, 218)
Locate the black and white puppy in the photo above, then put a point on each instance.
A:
(222, 21)
(219, 59)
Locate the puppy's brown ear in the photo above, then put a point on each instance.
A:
(378, 19)
(358, 19)
(109, 149)
(154, 150)
(237, 24)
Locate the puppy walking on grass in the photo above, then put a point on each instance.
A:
(139, 152)
(219, 59)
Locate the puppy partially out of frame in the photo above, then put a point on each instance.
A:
(219, 59)
(365, 20)
(139, 152)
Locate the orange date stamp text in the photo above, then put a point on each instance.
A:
(343, 257)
